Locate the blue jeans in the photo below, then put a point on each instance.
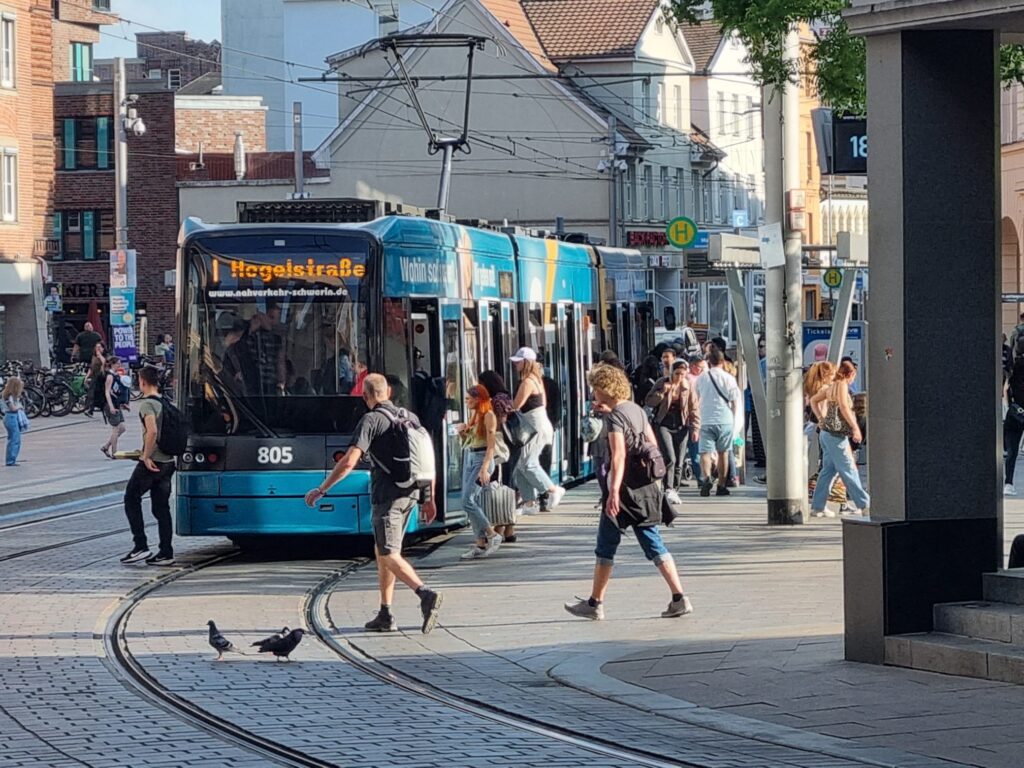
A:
(609, 536)
(472, 461)
(836, 459)
(13, 437)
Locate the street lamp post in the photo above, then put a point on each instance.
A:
(127, 120)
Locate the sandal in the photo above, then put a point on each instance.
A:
(106, 452)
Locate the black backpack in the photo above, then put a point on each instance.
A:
(172, 430)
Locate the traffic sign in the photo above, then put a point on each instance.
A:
(681, 231)
(833, 278)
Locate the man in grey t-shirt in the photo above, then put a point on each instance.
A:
(721, 419)
(152, 475)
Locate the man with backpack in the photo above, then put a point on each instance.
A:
(163, 438)
(401, 456)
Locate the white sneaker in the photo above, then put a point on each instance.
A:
(555, 497)
(673, 496)
(1009, 490)
(473, 553)
(817, 513)
(529, 508)
(829, 512)
(492, 544)
(851, 512)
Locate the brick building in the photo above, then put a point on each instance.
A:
(26, 172)
(82, 220)
(176, 57)
(214, 120)
(76, 30)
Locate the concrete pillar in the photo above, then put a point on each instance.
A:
(935, 430)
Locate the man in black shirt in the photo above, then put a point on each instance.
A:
(85, 344)
(391, 504)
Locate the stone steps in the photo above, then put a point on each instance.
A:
(979, 638)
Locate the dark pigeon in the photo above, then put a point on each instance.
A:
(283, 646)
(219, 643)
(276, 636)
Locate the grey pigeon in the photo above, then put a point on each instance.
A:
(281, 647)
(219, 643)
(276, 636)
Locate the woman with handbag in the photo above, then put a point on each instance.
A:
(838, 423)
(633, 499)
(1013, 424)
(530, 401)
(478, 440)
(14, 417)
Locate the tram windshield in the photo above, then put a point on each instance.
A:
(276, 330)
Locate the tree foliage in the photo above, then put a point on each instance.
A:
(837, 62)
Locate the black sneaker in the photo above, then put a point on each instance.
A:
(382, 622)
(430, 604)
(136, 556)
(160, 559)
(722, 491)
(705, 487)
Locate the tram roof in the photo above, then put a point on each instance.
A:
(429, 233)
(620, 258)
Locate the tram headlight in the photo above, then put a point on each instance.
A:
(187, 457)
(200, 459)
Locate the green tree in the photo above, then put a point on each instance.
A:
(838, 62)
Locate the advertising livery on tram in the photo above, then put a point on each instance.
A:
(283, 322)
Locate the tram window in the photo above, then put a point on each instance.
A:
(470, 344)
(396, 350)
(266, 366)
(453, 371)
(535, 327)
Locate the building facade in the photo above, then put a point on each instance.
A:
(26, 174)
(305, 32)
(210, 122)
(175, 58)
(81, 223)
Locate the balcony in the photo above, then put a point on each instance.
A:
(47, 247)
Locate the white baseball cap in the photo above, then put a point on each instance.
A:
(524, 353)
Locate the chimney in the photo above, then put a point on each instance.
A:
(239, 156)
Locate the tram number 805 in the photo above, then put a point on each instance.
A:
(274, 454)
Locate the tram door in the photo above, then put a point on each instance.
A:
(570, 325)
(626, 335)
(491, 350)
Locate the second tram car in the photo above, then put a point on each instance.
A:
(282, 322)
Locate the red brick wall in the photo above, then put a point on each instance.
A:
(152, 201)
(216, 129)
(65, 33)
(23, 111)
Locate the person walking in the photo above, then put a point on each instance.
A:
(110, 385)
(501, 405)
(838, 423)
(391, 506)
(721, 420)
(85, 344)
(13, 390)
(1013, 424)
(478, 438)
(631, 501)
(676, 418)
(528, 477)
(152, 475)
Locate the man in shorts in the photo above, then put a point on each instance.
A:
(391, 504)
(721, 420)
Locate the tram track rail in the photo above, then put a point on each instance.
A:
(63, 543)
(125, 667)
(316, 615)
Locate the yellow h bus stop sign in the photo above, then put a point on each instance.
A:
(681, 231)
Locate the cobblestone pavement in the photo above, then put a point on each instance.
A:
(759, 663)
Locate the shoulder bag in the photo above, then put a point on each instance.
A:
(644, 462)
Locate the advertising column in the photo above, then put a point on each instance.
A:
(122, 304)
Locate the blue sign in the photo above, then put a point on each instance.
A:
(124, 342)
(740, 217)
(816, 338)
(701, 242)
(122, 306)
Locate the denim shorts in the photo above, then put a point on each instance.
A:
(609, 536)
(715, 438)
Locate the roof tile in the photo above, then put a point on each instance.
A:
(703, 40)
(589, 28)
(510, 13)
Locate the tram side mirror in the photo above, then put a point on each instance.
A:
(670, 318)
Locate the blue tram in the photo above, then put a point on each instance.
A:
(283, 321)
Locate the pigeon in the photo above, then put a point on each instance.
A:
(276, 636)
(219, 643)
(282, 646)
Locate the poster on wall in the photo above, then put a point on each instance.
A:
(122, 306)
(53, 297)
(816, 338)
(122, 269)
(124, 342)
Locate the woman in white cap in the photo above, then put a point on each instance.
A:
(529, 477)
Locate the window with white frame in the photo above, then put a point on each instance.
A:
(80, 55)
(677, 96)
(387, 16)
(750, 117)
(662, 104)
(8, 184)
(665, 195)
(174, 79)
(735, 114)
(7, 51)
(721, 111)
(629, 197)
(715, 193)
(645, 101)
(648, 212)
